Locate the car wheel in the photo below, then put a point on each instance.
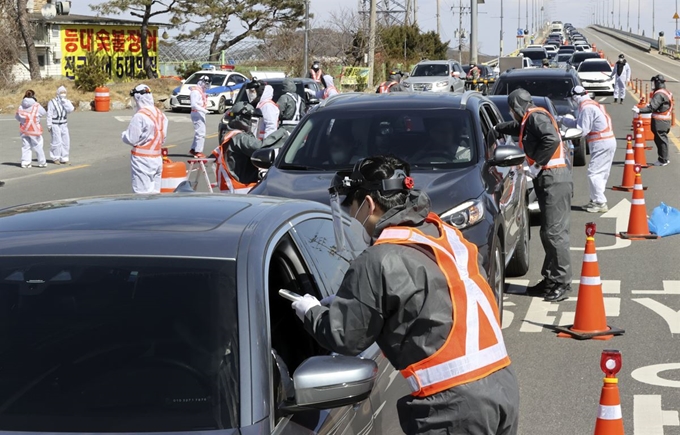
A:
(497, 272)
(222, 107)
(519, 263)
(580, 154)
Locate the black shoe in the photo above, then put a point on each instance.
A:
(2, 183)
(540, 289)
(616, 100)
(557, 294)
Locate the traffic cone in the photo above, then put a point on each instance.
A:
(590, 320)
(638, 227)
(172, 173)
(628, 169)
(640, 156)
(609, 415)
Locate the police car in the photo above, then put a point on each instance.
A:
(224, 86)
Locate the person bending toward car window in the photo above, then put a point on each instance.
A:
(541, 140)
(404, 293)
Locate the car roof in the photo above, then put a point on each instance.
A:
(279, 80)
(185, 225)
(594, 59)
(535, 72)
(435, 61)
(398, 100)
(216, 71)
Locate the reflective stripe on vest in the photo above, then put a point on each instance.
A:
(474, 347)
(225, 181)
(558, 159)
(316, 75)
(608, 132)
(298, 110)
(385, 87)
(31, 125)
(327, 91)
(664, 116)
(60, 115)
(204, 97)
(153, 147)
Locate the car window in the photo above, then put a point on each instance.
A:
(118, 344)
(595, 67)
(555, 87)
(330, 141)
(431, 70)
(215, 79)
(238, 79)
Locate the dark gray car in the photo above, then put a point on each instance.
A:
(159, 314)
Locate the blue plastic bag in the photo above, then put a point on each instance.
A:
(664, 221)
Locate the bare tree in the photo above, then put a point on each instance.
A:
(19, 13)
(9, 49)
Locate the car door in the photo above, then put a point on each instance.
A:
(458, 82)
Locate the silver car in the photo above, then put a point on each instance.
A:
(141, 314)
(436, 76)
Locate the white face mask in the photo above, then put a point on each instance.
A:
(62, 96)
(364, 234)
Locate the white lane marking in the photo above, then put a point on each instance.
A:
(620, 212)
(671, 316)
(393, 376)
(650, 375)
(602, 99)
(508, 316)
(382, 405)
(669, 288)
(649, 418)
(537, 315)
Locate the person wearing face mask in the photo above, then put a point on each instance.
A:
(341, 150)
(315, 72)
(418, 292)
(57, 111)
(146, 135)
(596, 124)
(621, 76)
(661, 108)
(291, 106)
(199, 108)
(269, 121)
(540, 138)
(28, 115)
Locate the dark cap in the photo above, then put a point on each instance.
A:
(621, 56)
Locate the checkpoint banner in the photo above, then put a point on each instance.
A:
(121, 43)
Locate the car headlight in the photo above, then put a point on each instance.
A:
(465, 215)
(441, 84)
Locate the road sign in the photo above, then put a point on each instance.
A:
(677, 34)
(676, 16)
(520, 33)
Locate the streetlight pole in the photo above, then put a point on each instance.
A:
(628, 18)
(526, 6)
(473, 31)
(519, 24)
(500, 52)
(371, 43)
(306, 56)
(619, 14)
(653, 17)
(638, 17)
(676, 26)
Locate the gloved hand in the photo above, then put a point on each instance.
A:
(327, 301)
(49, 128)
(559, 119)
(303, 305)
(636, 109)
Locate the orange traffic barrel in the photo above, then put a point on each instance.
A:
(102, 99)
(172, 175)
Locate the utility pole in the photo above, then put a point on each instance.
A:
(306, 56)
(653, 18)
(619, 14)
(638, 17)
(526, 12)
(519, 24)
(439, 23)
(676, 25)
(500, 52)
(371, 43)
(628, 18)
(473, 31)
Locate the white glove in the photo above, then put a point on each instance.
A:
(49, 128)
(310, 92)
(534, 170)
(636, 109)
(327, 301)
(303, 305)
(559, 119)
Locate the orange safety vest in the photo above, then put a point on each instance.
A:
(667, 115)
(226, 181)
(31, 125)
(204, 97)
(558, 159)
(152, 148)
(327, 91)
(608, 132)
(474, 348)
(385, 87)
(316, 75)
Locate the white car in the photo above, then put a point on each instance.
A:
(596, 76)
(585, 45)
(551, 50)
(224, 86)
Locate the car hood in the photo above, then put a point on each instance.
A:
(595, 75)
(427, 79)
(446, 189)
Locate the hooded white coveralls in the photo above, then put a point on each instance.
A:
(28, 115)
(621, 80)
(146, 170)
(330, 88)
(57, 112)
(199, 107)
(597, 126)
(269, 122)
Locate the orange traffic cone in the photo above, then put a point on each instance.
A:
(172, 173)
(590, 320)
(609, 415)
(638, 227)
(628, 169)
(640, 156)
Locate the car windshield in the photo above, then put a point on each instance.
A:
(538, 55)
(278, 90)
(118, 344)
(563, 57)
(504, 107)
(580, 57)
(594, 67)
(555, 88)
(437, 139)
(431, 70)
(215, 79)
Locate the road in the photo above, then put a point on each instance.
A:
(560, 379)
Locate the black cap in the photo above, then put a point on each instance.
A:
(621, 56)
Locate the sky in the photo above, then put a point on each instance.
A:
(578, 12)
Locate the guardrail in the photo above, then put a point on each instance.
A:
(633, 41)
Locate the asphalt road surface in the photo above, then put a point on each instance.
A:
(560, 379)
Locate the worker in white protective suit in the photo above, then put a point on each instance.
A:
(146, 134)
(621, 75)
(597, 128)
(28, 115)
(199, 108)
(269, 121)
(57, 113)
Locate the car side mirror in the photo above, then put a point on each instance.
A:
(323, 382)
(263, 158)
(571, 134)
(507, 155)
(312, 100)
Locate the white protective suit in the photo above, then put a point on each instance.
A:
(620, 80)
(57, 113)
(146, 171)
(593, 119)
(269, 122)
(330, 88)
(199, 108)
(31, 143)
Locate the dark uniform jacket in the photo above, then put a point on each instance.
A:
(242, 146)
(658, 104)
(287, 103)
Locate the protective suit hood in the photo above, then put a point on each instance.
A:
(520, 100)
(395, 77)
(27, 103)
(143, 100)
(267, 96)
(288, 86)
(412, 213)
(61, 90)
(328, 80)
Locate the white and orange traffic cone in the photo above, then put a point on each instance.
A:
(172, 173)
(638, 227)
(590, 320)
(629, 168)
(640, 156)
(609, 415)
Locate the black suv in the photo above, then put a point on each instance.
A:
(555, 83)
(580, 56)
(277, 84)
(456, 157)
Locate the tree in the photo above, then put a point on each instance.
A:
(18, 9)
(409, 44)
(255, 17)
(144, 9)
(9, 34)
